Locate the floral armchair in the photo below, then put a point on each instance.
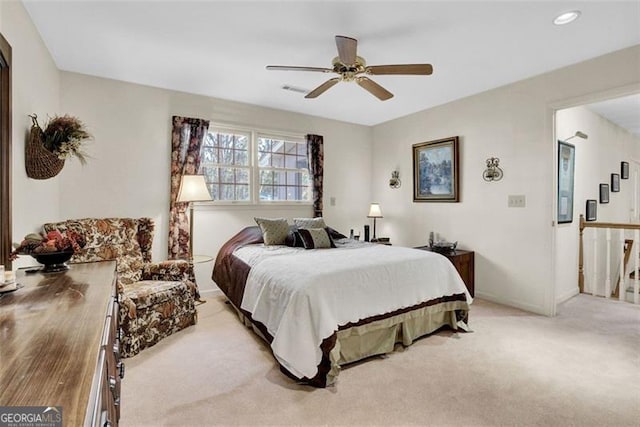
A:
(156, 299)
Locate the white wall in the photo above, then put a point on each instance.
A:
(128, 174)
(596, 159)
(513, 246)
(35, 89)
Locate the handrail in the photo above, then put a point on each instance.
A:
(584, 224)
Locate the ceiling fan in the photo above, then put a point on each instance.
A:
(351, 67)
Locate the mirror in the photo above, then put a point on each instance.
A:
(5, 152)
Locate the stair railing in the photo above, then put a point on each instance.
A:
(626, 246)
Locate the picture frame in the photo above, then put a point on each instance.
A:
(604, 193)
(615, 182)
(435, 171)
(591, 210)
(566, 166)
(624, 170)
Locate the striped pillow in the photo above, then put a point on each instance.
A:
(316, 238)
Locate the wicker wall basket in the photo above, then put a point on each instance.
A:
(40, 162)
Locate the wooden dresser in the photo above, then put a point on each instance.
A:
(59, 344)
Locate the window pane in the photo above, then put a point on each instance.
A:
(290, 147)
(266, 192)
(242, 192)
(278, 147)
(302, 163)
(242, 176)
(279, 177)
(291, 162)
(293, 193)
(210, 173)
(242, 158)
(280, 193)
(266, 177)
(242, 142)
(264, 159)
(213, 190)
(227, 175)
(277, 160)
(227, 192)
(209, 155)
(302, 150)
(264, 144)
(294, 178)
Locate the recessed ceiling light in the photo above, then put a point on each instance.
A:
(567, 17)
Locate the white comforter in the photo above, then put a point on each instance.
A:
(302, 296)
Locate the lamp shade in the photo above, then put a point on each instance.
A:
(375, 211)
(193, 188)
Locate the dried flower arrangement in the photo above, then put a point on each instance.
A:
(53, 241)
(64, 136)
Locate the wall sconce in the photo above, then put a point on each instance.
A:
(579, 135)
(395, 182)
(493, 171)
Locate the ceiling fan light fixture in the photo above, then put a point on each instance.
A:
(567, 17)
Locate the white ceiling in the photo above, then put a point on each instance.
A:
(624, 111)
(220, 48)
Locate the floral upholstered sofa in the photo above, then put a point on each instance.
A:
(156, 299)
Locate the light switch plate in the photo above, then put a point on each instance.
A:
(517, 201)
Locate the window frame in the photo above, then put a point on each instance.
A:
(254, 166)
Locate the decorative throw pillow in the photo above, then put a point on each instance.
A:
(316, 238)
(309, 222)
(294, 239)
(274, 230)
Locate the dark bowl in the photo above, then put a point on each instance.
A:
(53, 261)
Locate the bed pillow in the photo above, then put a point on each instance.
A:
(316, 238)
(309, 222)
(294, 239)
(274, 230)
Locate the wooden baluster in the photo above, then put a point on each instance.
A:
(594, 281)
(607, 280)
(621, 280)
(581, 257)
(636, 256)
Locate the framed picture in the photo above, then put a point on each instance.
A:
(435, 171)
(604, 193)
(592, 206)
(624, 170)
(615, 182)
(566, 164)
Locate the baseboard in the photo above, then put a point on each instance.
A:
(211, 292)
(567, 295)
(511, 303)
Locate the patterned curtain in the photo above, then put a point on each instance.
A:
(315, 154)
(186, 142)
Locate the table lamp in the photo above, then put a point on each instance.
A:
(374, 212)
(193, 188)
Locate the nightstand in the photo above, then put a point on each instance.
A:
(463, 261)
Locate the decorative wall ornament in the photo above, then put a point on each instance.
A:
(493, 171)
(395, 182)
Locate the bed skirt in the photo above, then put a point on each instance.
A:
(374, 337)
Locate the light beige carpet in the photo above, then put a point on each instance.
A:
(581, 368)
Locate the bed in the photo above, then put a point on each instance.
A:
(321, 309)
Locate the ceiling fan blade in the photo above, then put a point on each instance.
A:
(374, 88)
(418, 69)
(294, 68)
(323, 88)
(347, 47)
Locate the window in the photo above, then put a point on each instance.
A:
(248, 166)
